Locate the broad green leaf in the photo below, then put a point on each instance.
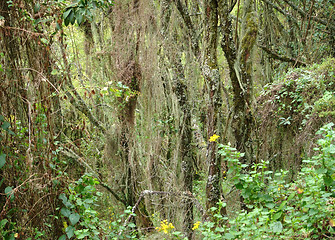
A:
(80, 16)
(3, 223)
(270, 205)
(45, 41)
(282, 205)
(69, 231)
(72, 18)
(5, 126)
(2, 160)
(66, 13)
(63, 237)
(277, 215)
(219, 229)
(10, 132)
(277, 227)
(62, 197)
(312, 211)
(82, 233)
(228, 236)
(66, 21)
(9, 190)
(328, 180)
(332, 148)
(74, 218)
(54, 72)
(291, 196)
(65, 212)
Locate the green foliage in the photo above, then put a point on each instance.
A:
(82, 10)
(325, 106)
(303, 209)
(80, 218)
(120, 94)
(118, 230)
(303, 93)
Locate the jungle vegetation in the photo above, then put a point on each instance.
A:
(167, 119)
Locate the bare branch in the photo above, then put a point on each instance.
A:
(281, 57)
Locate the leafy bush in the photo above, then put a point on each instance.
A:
(80, 218)
(303, 209)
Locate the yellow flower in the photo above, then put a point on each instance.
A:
(214, 138)
(165, 227)
(300, 190)
(65, 225)
(16, 235)
(196, 225)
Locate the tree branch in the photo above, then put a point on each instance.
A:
(71, 154)
(79, 104)
(285, 13)
(303, 14)
(191, 31)
(282, 58)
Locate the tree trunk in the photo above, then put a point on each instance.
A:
(211, 75)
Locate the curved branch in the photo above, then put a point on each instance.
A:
(281, 57)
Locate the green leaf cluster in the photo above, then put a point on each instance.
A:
(80, 218)
(82, 10)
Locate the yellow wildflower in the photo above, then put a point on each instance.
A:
(65, 225)
(300, 190)
(214, 138)
(280, 187)
(165, 227)
(196, 225)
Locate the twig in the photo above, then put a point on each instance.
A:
(9, 194)
(23, 30)
(44, 78)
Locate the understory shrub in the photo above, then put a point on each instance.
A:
(277, 209)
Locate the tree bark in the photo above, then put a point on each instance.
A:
(210, 71)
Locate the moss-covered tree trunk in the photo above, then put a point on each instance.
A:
(239, 58)
(211, 75)
(184, 131)
(132, 77)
